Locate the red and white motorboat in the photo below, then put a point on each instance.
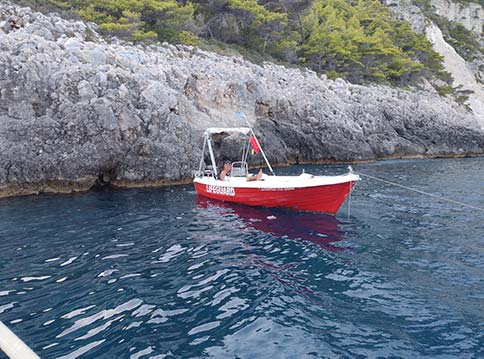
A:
(304, 192)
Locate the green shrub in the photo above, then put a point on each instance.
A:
(444, 90)
(357, 39)
(188, 38)
(149, 37)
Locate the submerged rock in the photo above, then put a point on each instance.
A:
(76, 111)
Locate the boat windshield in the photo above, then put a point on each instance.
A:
(239, 169)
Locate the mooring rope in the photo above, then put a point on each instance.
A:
(349, 199)
(421, 192)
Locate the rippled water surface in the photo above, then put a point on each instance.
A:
(161, 273)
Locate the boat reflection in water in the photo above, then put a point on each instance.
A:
(319, 228)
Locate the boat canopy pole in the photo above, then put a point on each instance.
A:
(212, 157)
(246, 145)
(202, 160)
(243, 152)
(241, 114)
(262, 151)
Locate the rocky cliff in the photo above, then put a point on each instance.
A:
(469, 14)
(76, 110)
(468, 75)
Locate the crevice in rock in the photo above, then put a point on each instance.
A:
(174, 110)
(7, 169)
(105, 178)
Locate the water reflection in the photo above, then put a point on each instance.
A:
(146, 273)
(319, 228)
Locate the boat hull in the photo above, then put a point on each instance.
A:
(326, 198)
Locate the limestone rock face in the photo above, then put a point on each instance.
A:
(469, 14)
(406, 10)
(467, 75)
(461, 71)
(76, 111)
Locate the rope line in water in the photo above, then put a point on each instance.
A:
(421, 192)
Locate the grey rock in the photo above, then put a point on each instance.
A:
(85, 90)
(406, 10)
(76, 111)
(467, 74)
(469, 14)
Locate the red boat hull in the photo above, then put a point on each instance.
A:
(324, 198)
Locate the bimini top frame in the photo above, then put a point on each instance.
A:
(218, 130)
(207, 142)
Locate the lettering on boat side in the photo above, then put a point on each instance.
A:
(225, 191)
(278, 189)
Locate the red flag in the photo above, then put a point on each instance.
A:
(254, 144)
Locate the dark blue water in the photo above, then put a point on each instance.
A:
(159, 273)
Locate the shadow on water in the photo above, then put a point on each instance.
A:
(319, 228)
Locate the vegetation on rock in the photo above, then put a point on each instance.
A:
(358, 39)
(464, 41)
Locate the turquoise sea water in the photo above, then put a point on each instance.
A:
(161, 273)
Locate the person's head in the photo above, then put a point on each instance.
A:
(227, 165)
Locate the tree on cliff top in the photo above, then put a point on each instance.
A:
(356, 39)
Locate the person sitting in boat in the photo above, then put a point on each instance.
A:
(225, 174)
(256, 177)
